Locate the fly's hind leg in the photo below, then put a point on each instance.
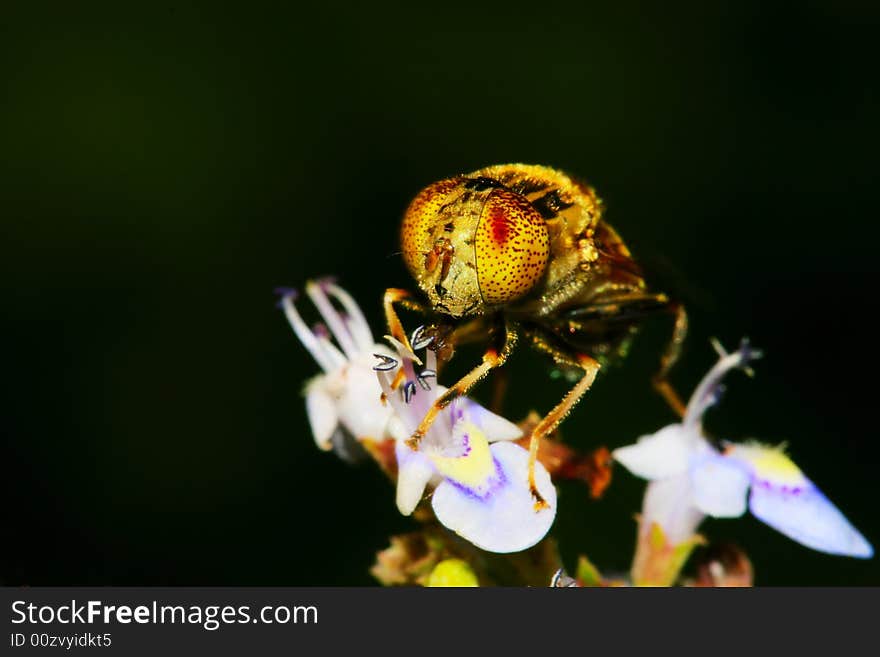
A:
(631, 309)
(504, 339)
(590, 368)
(670, 357)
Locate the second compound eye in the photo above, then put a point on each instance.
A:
(511, 247)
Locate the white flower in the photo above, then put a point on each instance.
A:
(481, 489)
(347, 394)
(690, 479)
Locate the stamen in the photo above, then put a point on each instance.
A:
(749, 355)
(357, 323)
(308, 339)
(707, 392)
(431, 361)
(338, 358)
(409, 391)
(405, 352)
(386, 363)
(283, 292)
(718, 347)
(561, 580)
(419, 340)
(333, 319)
(717, 394)
(423, 377)
(423, 383)
(398, 378)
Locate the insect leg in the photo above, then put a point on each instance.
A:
(504, 339)
(670, 356)
(550, 421)
(392, 296)
(631, 309)
(499, 390)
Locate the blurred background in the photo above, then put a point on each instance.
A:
(164, 168)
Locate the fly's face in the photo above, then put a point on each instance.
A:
(473, 245)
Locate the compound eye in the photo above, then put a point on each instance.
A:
(421, 215)
(511, 247)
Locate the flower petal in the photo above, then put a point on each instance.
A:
(662, 454)
(466, 459)
(719, 486)
(494, 426)
(785, 499)
(321, 410)
(805, 515)
(767, 463)
(414, 471)
(359, 400)
(669, 503)
(503, 519)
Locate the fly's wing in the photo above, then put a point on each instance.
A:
(631, 307)
(602, 329)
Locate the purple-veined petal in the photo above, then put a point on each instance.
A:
(502, 518)
(785, 499)
(465, 458)
(720, 486)
(659, 455)
(805, 515)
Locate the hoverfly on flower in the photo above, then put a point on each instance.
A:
(519, 249)
(372, 393)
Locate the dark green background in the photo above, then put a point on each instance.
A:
(164, 168)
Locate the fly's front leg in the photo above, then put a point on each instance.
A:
(550, 421)
(392, 296)
(503, 342)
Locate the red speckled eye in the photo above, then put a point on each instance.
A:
(511, 245)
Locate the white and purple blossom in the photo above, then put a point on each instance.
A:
(346, 396)
(480, 478)
(690, 478)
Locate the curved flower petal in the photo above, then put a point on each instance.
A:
(669, 503)
(321, 411)
(805, 515)
(359, 400)
(501, 518)
(785, 499)
(494, 426)
(466, 459)
(767, 463)
(414, 471)
(662, 454)
(720, 486)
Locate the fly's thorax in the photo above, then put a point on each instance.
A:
(473, 245)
